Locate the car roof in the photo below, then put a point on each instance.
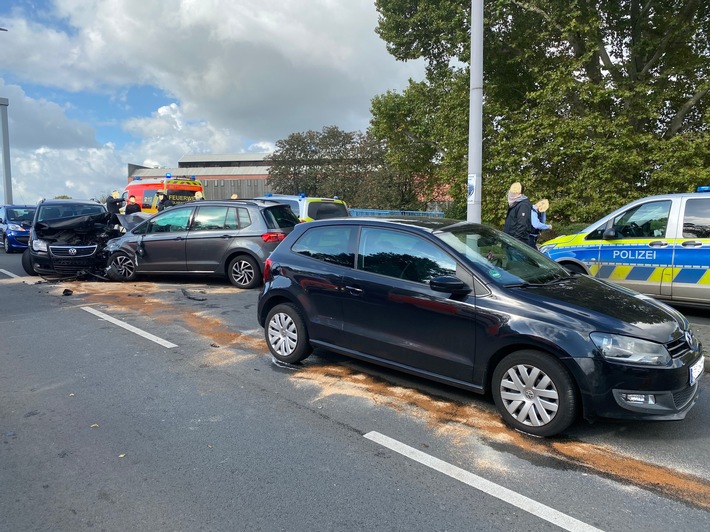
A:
(65, 201)
(224, 202)
(428, 224)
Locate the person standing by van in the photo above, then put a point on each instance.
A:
(163, 201)
(538, 216)
(132, 206)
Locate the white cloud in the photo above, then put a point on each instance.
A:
(244, 73)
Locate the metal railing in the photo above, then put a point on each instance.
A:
(383, 212)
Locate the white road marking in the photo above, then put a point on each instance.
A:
(136, 330)
(486, 486)
(9, 274)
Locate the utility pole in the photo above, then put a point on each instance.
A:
(475, 121)
(7, 178)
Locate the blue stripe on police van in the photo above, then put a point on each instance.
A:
(640, 273)
(689, 275)
(605, 272)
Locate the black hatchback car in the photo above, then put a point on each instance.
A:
(67, 238)
(467, 305)
(223, 237)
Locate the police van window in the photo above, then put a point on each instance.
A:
(696, 219)
(648, 220)
(328, 244)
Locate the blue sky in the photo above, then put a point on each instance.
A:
(95, 85)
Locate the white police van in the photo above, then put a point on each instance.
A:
(659, 245)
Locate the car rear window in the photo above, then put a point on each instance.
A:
(280, 217)
(320, 210)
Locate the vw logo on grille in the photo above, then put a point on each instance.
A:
(72, 251)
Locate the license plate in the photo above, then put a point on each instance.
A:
(696, 370)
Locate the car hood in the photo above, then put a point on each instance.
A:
(129, 221)
(607, 308)
(78, 224)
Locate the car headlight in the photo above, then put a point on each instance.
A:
(16, 227)
(546, 247)
(629, 350)
(40, 246)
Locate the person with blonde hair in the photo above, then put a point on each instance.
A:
(517, 221)
(538, 215)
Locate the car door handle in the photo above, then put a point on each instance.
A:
(658, 244)
(354, 290)
(691, 244)
(226, 236)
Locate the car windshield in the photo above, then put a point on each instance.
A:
(68, 210)
(501, 257)
(20, 214)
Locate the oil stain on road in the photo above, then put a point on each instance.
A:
(459, 420)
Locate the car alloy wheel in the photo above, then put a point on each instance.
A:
(286, 334)
(6, 244)
(244, 272)
(121, 267)
(534, 393)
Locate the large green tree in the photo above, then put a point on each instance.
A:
(350, 165)
(590, 103)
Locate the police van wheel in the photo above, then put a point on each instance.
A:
(573, 268)
(121, 267)
(244, 272)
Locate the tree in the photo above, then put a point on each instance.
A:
(590, 103)
(350, 165)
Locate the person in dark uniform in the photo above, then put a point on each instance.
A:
(164, 201)
(132, 206)
(113, 206)
(517, 221)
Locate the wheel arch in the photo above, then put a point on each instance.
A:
(242, 251)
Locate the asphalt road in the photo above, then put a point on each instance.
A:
(102, 427)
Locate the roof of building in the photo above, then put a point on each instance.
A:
(212, 158)
(214, 171)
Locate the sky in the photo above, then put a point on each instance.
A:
(94, 85)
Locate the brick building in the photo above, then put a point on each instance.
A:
(221, 175)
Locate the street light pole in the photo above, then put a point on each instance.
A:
(475, 121)
(7, 178)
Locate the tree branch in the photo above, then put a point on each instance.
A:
(677, 121)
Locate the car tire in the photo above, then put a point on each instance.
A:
(574, 268)
(27, 263)
(244, 272)
(286, 334)
(6, 244)
(534, 393)
(121, 267)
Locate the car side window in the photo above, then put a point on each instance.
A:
(243, 217)
(696, 218)
(170, 221)
(402, 255)
(210, 219)
(328, 244)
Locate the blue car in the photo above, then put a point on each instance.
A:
(15, 222)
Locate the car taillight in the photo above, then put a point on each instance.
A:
(267, 270)
(273, 237)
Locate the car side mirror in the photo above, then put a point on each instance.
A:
(450, 285)
(609, 234)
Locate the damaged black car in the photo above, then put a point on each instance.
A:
(68, 238)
